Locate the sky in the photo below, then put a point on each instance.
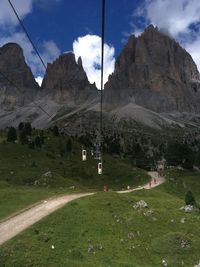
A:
(58, 26)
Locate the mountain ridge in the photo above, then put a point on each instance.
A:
(153, 78)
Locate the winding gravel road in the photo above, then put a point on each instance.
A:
(18, 223)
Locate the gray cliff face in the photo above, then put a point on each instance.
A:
(66, 81)
(14, 67)
(154, 71)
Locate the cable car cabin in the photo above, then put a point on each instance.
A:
(100, 168)
(84, 155)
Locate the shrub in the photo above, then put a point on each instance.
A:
(11, 135)
(189, 199)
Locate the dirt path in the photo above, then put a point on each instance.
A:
(18, 223)
(155, 181)
(14, 225)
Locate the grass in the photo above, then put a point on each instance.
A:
(101, 230)
(23, 166)
(29, 175)
(15, 198)
(105, 230)
(179, 182)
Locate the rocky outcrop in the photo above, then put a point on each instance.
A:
(14, 67)
(66, 81)
(154, 71)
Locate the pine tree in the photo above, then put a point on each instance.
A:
(12, 135)
(27, 128)
(38, 141)
(21, 126)
(189, 199)
(69, 146)
(55, 131)
(23, 137)
(31, 145)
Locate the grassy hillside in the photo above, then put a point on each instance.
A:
(20, 165)
(101, 230)
(105, 230)
(179, 182)
(15, 198)
(29, 175)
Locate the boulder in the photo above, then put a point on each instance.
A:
(140, 205)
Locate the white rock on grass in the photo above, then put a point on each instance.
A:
(182, 220)
(148, 213)
(91, 249)
(187, 208)
(198, 265)
(164, 263)
(48, 174)
(185, 243)
(140, 205)
(131, 235)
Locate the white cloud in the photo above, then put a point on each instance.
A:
(39, 80)
(50, 51)
(88, 48)
(176, 18)
(7, 17)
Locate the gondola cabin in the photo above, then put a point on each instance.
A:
(100, 168)
(84, 155)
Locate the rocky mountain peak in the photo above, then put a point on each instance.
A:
(65, 79)
(12, 49)
(14, 67)
(80, 62)
(154, 71)
(151, 28)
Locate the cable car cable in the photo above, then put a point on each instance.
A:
(34, 47)
(19, 90)
(27, 34)
(102, 84)
(102, 70)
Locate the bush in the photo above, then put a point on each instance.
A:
(11, 135)
(31, 145)
(27, 128)
(189, 199)
(21, 126)
(69, 146)
(55, 131)
(38, 141)
(23, 138)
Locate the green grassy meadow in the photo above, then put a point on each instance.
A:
(103, 230)
(179, 182)
(30, 175)
(16, 198)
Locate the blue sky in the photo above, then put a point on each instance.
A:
(57, 26)
(64, 21)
